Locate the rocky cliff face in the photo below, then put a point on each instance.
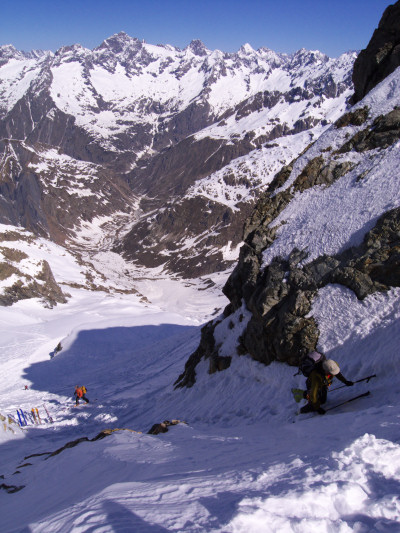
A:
(331, 216)
(137, 138)
(382, 55)
(48, 192)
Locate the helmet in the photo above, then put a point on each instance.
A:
(331, 367)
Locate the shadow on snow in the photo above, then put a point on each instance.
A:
(108, 360)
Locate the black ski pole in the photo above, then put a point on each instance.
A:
(357, 381)
(348, 401)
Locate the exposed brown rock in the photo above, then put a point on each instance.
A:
(162, 427)
(384, 131)
(44, 286)
(353, 118)
(317, 172)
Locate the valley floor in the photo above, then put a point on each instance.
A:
(239, 461)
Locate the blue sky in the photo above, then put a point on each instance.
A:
(331, 26)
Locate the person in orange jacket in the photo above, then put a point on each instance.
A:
(80, 393)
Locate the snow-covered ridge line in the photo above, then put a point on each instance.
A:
(166, 73)
(121, 42)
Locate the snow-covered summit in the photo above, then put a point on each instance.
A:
(197, 47)
(246, 50)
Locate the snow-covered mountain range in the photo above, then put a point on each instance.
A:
(319, 268)
(162, 151)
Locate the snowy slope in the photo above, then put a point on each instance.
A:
(244, 178)
(243, 462)
(17, 71)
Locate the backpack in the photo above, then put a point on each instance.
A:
(83, 389)
(310, 362)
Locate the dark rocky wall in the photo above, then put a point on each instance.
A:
(382, 55)
(45, 203)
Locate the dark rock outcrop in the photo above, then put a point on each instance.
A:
(162, 427)
(279, 296)
(11, 489)
(280, 328)
(382, 55)
(384, 132)
(206, 349)
(353, 118)
(43, 286)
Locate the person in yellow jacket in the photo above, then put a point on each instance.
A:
(318, 383)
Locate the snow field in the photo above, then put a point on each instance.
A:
(243, 462)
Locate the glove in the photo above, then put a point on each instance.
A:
(349, 383)
(321, 411)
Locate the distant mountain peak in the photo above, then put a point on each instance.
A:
(118, 43)
(246, 49)
(197, 47)
(8, 51)
(70, 49)
(8, 48)
(312, 54)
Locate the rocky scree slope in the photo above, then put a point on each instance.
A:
(332, 216)
(138, 138)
